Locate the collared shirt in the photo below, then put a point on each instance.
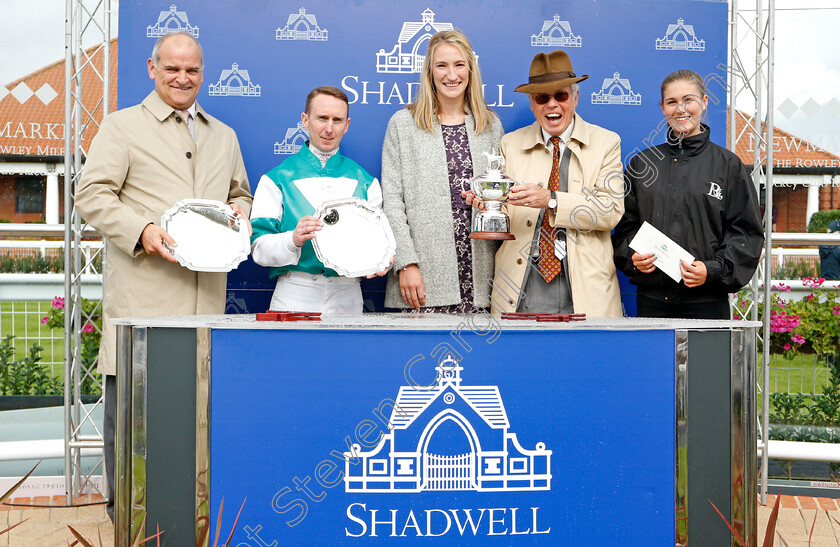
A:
(564, 138)
(323, 156)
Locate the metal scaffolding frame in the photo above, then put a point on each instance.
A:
(86, 21)
(90, 19)
(754, 77)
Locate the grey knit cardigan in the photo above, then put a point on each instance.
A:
(416, 200)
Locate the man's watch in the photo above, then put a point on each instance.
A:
(552, 201)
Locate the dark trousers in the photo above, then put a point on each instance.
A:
(109, 434)
(650, 307)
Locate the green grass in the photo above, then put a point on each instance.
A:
(23, 320)
(804, 374)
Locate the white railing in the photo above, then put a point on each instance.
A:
(22, 319)
(25, 299)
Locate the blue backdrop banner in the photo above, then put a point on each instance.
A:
(262, 58)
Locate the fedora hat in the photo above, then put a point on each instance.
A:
(549, 72)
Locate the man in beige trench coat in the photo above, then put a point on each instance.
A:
(570, 268)
(143, 160)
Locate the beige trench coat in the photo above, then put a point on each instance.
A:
(142, 161)
(589, 211)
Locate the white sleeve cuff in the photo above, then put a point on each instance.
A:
(275, 250)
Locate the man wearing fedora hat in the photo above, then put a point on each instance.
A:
(561, 260)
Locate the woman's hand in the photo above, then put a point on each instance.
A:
(383, 272)
(473, 200)
(644, 262)
(411, 286)
(693, 274)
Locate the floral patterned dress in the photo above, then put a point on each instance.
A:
(459, 162)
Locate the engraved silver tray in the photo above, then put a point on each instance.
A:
(209, 237)
(356, 239)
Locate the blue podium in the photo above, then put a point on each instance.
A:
(448, 430)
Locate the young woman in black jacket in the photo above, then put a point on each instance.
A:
(698, 194)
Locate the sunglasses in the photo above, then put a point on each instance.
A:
(560, 97)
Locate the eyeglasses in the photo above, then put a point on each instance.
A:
(560, 97)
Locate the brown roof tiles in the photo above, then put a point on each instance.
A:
(32, 108)
(789, 151)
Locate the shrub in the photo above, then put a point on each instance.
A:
(91, 337)
(813, 322)
(25, 376)
(819, 221)
(797, 270)
(39, 264)
(32, 264)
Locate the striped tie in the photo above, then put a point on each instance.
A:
(190, 122)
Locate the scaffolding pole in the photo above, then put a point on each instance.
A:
(87, 22)
(753, 31)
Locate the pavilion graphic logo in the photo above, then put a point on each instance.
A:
(448, 437)
(302, 26)
(234, 82)
(293, 141)
(616, 90)
(680, 37)
(407, 55)
(171, 21)
(556, 33)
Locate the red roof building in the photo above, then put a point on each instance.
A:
(32, 137)
(805, 177)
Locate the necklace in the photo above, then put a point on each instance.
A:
(442, 115)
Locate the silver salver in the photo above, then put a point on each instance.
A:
(356, 239)
(209, 237)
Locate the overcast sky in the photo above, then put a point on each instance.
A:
(32, 35)
(807, 63)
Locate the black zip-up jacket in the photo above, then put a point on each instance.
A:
(699, 195)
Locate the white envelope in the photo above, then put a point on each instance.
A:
(667, 254)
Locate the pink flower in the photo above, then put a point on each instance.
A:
(813, 282)
(58, 303)
(787, 347)
(45, 320)
(798, 339)
(89, 328)
(781, 322)
(736, 316)
(809, 297)
(835, 310)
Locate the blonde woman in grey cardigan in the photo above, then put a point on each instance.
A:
(430, 147)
